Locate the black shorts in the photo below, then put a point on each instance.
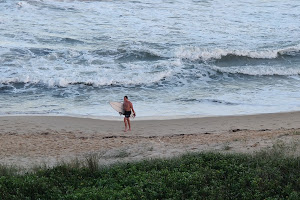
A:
(127, 114)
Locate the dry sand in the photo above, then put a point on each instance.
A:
(28, 141)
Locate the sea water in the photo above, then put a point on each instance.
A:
(170, 57)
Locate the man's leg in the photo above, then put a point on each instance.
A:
(125, 119)
(128, 120)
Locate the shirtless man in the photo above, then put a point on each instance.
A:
(127, 105)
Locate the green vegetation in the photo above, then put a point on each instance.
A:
(8, 170)
(266, 175)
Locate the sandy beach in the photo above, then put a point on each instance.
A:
(29, 141)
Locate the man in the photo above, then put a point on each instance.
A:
(128, 107)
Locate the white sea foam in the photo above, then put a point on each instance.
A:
(51, 76)
(197, 53)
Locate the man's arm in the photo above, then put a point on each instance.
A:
(132, 109)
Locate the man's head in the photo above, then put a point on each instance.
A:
(126, 97)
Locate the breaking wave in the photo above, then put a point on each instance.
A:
(120, 80)
(259, 70)
(196, 53)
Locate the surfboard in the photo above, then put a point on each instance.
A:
(118, 106)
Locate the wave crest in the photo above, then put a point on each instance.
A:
(120, 80)
(259, 70)
(196, 53)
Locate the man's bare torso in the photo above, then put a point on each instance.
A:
(127, 105)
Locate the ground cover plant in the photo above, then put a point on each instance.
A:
(192, 176)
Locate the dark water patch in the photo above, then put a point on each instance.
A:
(102, 52)
(135, 55)
(9, 35)
(236, 60)
(12, 55)
(18, 51)
(16, 85)
(58, 40)
(6, 88)
(48, 40)
(99, 62)
(40, 51)
(71, 41)
(55, 8)
(134, 1)
(101, 38)
(214, 101)
(61, 93)
(81, 98)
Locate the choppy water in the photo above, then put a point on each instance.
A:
(172, 58)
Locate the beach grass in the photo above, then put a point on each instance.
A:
(268, 174)
(8, 170)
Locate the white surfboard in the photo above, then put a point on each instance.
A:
(118, 106)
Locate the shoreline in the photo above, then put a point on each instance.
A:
(28, 141)
(143, 118)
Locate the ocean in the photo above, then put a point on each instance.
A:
(172, 58)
